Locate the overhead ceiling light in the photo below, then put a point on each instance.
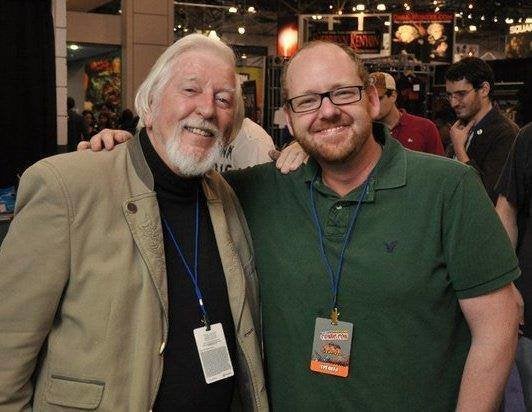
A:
(387, 23)
(509, 21)
(330, 6)
(435, 2)
(482, 18)
(179, 26)
(472, 28)
(361, 7)
(120, 11)
(469, 16)
(340, 12)
(458, 15)
(495, 19)
(185, 30)
(241, 30)
(233, 9)
(244, 56)
(251, 9)
(175, 28)
(456, 28)
(437, 9)
(314, 17)
(520, 20)
(381, 7)
(73, 47)
(407, 7)
(319, 16)
(470, 6)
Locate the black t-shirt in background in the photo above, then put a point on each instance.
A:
(515, 184)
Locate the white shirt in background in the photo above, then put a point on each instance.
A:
(250, 147)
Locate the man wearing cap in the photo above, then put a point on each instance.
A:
(414, 132)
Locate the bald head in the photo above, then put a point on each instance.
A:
(315, 51)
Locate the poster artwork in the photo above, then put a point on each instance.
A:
(366, 42)
(429, 36)
(519, 41)
(101, 82)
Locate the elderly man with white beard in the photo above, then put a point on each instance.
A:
(128, 279)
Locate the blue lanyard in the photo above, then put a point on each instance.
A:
(335, 276)
(192, 274)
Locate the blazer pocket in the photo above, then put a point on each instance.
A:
(74, 393)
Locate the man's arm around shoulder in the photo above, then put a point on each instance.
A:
(493, 319)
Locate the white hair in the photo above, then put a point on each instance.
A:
(160, 74)
(187, 165)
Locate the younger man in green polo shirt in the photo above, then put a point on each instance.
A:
(423, 267)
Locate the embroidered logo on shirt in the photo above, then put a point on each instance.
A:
(390, 246)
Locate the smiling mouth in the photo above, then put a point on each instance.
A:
(330, 130)
(199, 131)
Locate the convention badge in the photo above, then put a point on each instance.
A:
(331, 349)
(213, 353)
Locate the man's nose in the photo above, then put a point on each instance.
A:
(205, 105)
(328, 109)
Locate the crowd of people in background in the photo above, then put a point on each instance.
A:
(83, 127)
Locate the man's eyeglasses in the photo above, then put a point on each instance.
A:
(459, 95)
(312, 101)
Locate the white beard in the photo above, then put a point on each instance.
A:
(190, 165)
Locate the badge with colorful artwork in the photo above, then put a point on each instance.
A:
(331, 350)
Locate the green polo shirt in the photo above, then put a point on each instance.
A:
(426, 236)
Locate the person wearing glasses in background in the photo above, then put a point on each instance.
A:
(414, 132)
(369, 301)
(482, 136)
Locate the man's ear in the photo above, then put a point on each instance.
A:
(374, 103)
(148, 121)
(288, 120)
(485, 89)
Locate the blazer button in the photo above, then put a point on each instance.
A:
(132, 207)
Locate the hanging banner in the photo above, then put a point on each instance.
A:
(101, 83)
(364, 42)
(428, 36)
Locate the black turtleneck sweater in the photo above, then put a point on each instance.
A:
(183, 384)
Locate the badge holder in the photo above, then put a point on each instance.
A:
(331, 349)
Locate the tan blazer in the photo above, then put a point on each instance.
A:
(83, 292)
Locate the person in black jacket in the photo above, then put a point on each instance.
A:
(77, 130)
(482, 136)
(514, 207)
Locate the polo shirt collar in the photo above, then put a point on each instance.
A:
(389, 173)
(488, 118)
(402, 119)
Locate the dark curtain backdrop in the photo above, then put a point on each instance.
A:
(28, 129)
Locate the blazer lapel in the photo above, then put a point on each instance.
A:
(234, 274)
(141, 212)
